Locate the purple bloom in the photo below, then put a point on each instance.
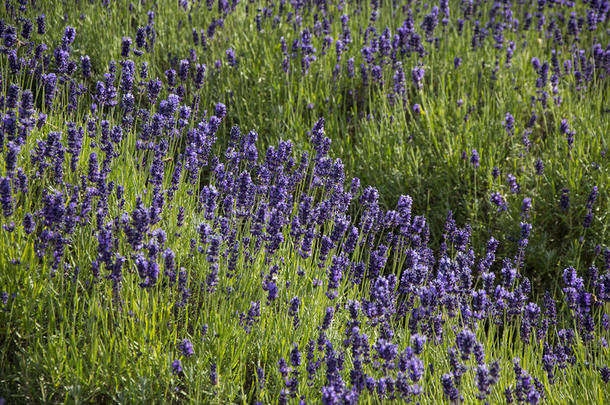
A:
(525, 207)
(539, 166)
(186, 347)
(272, 291)
(605, 374)
(416, 369)
(252, 316)
(295, 356)
(85, 62)
(386, 350)
(9, 35)
(474, 158)
(69, 36)
(177, 367)
(220, 110)
(125, 47)
(483, 380)
(498, 200)
(417, 74)
(50, 83)
(329, 396)
(11, 158)
(6, 198)
(12, 96)
(418, 341)
(328, 317)
(127, 76)
(199, 75)
(28, 223)
(26, 109)
(465, 341)
(213, 374)
(509, 122)
(260, 373)
(512, 183)
(183, 70)
(41, 24)
(449, 388)
(335, 272)
(377, 261)
(231, 59)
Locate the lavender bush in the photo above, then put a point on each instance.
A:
(304, 202)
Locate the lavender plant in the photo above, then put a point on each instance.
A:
(179, 224)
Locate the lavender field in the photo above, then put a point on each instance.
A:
(304, 202)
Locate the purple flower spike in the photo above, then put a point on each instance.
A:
(6, 198)
(186, 347)
(177, 367)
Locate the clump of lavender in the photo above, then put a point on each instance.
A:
(417, 74)
(186, 347)
(564, 128)
(509, 123)
(6, 197)
(497, 200)
(176, 367)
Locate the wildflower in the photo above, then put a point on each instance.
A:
(28, 223)
(605, 374)
(12, 95)
(498, 200)
(10, 36)
(85, 62)
(125, 47)
(512, 183)
(41, 24)
(6, 198)
(465, 341)
(449, 388)
(328, 317)
(213, 374)
(11, 158)
(186, 347)
(220, 110)
(474, 158)
(339, 263)
(416, 369)
(69, 36)
(177, 367)
(417, 75)
(592, 197)
(183, 69)
(50, 82)
(509, 122)
(525, 207)
(539, 166)
(260, 373)
(231, 60)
